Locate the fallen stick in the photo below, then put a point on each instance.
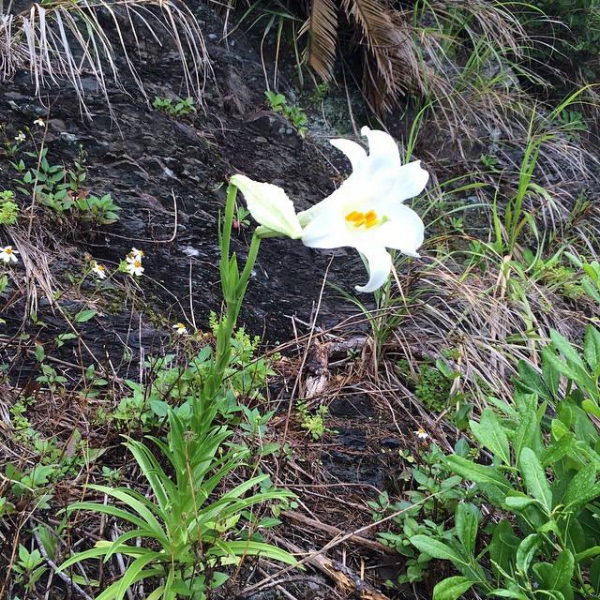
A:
(344, 578)
(54, 568)
(335, 531)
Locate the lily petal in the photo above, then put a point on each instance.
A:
(355, 152)
(383, 151)
(403, 231)
(411, 180)
(325, 231)
(380, 265)
(269, 205)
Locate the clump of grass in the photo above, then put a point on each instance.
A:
(66, 40)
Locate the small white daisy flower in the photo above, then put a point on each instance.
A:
(421, 434)
(134, 255)
(8, 255)
(134, 267)
(180, 329)
(39, 123)
(20, 137)
(99, 270)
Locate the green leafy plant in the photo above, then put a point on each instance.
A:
(431, 501)
(57, 187)
(103, 211)
(30, 568)
(542, 481)
(294, 114)
(590, 282)
(194, 537)
(47, 183)
(175, 108)
(314, 423)
(432, 383)
(9, 211)
(192, 529)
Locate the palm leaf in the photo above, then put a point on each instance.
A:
(322, 29)
(391, 65)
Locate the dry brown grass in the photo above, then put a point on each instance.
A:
(67, 41)
(487, 324)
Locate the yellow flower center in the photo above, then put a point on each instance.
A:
(8, 250)
(359, 219)
(100, 267)
(137, 264)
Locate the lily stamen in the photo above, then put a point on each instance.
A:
(358, 219)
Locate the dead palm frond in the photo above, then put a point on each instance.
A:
(70, 40)
(423, 49)
(322, 27)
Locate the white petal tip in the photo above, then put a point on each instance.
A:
(364, 130)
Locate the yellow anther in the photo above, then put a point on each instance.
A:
(358, 219)
(354, 216)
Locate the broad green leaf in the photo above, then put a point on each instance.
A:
(535, 478)
(591, 349)
(582, 489)
(490, 434)
(518, 501)
(527, 434)
(562, 571)
(452, 588)
(85, 315)
(557, 450)
(531, 380)
(526, 551)
(503, 547)
(591, 408)
(437, 549)
(467, 521)
(549, 372)
(478, 473)
(586, 554)
(508, 594)
(564, 347)
(564, 368)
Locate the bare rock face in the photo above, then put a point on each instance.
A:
(168, 176)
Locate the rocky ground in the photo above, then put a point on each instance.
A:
(168, 176)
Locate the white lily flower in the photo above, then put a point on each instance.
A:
(269, 205)
(134, 267)
(99, 270)
(8, 255)
(180, 329)
(366, 211)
